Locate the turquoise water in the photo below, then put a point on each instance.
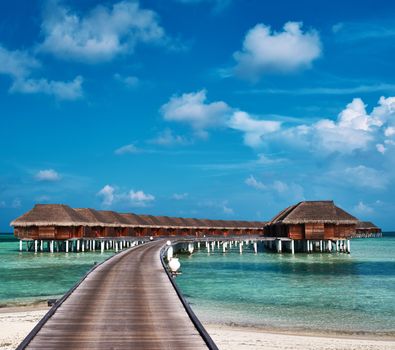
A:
(317, 292)
(27, 278)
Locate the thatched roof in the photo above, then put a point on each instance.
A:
(50, 215)
(93, 217)
(114, 218)
(63, 215)
(313, 212)
(366, 225)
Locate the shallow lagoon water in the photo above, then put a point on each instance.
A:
(27, 278)
(319, 292)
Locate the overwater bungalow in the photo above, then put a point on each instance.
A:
(89, 228)
(314, 225)
(367, 229)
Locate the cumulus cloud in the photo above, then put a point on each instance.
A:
(140, 196)
(20, 66)
(363, 209)
(100, 35)
(193, 109)
(365, 177)
(17, 64)
(47, 175)
(63, 90)
(127, 149)
(107, 195)
(254, 130)
(111, 195)
(168, 138)
(129, 81)
(253, 182)
(267, 51)
(353, 130)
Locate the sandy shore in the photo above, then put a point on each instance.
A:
(240, 338)
(17, 322)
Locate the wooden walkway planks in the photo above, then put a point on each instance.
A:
(126, 303)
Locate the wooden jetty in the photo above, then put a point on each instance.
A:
(127, 302)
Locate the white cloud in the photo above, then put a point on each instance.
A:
(252, 182)
(107, 194)
(354, 130)
(365, 177)
(168, 138)
(266, 51)
(111, 196)
(254, 130)
(20, 65)
(363, 209)
(381, 148)
(321, 90)
(140, 197)
(17, 64)
(62, 90)
(227, 210)
(47, 175)
(280, 187)
(127, 149)
(192, 108)
(130, 81)
(179, 196)
(100, 35)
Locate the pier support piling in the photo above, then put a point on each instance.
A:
(292, 246)
(255, 247)
(20, 245)
(67, 246)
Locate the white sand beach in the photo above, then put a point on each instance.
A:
(243, 338)
(17, 322)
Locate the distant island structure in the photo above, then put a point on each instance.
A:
(304, 227)
(367, 229)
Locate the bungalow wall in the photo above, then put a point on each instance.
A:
(30, 232)
(296, 231)
(314, 231)
(344, 231)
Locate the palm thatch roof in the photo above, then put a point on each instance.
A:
(93, 217)
(366, 225)
(63, 215)
(313, 212)
(50, 215)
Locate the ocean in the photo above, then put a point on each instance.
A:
(28, 278)
(342, 293)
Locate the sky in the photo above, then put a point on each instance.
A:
(220, 109)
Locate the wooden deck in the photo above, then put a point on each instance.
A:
(127, 302)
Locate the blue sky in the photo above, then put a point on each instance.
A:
(202, 108)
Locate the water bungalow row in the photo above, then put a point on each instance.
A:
(307, 226)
